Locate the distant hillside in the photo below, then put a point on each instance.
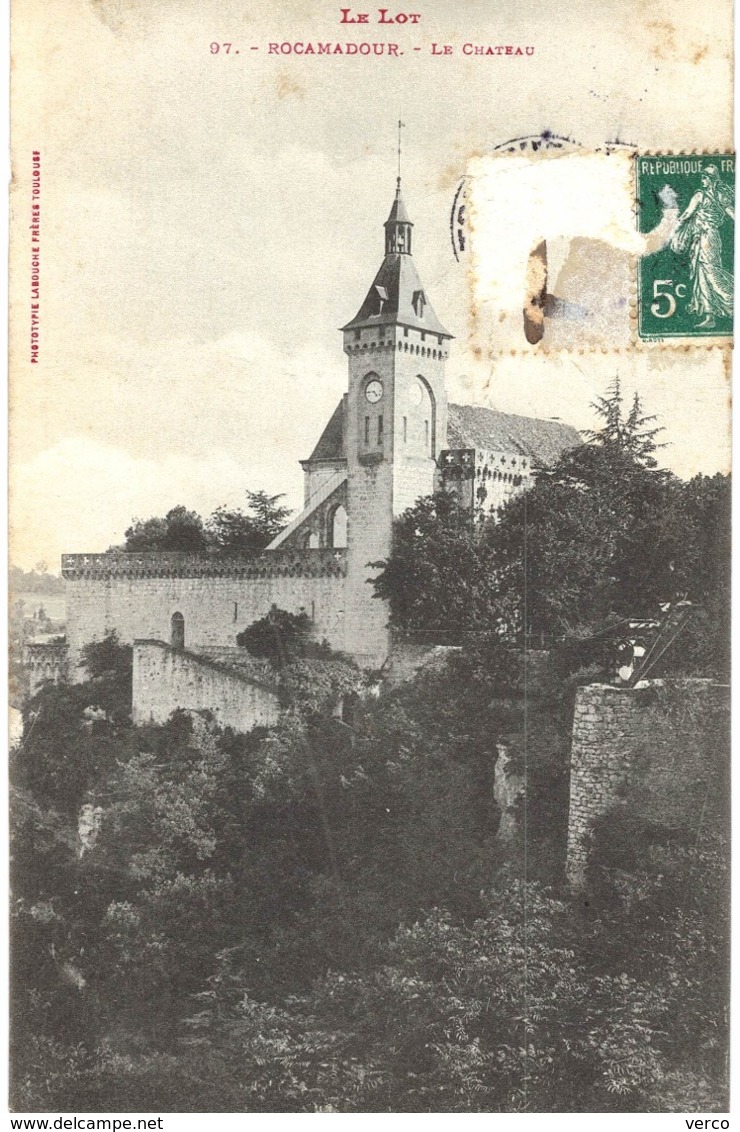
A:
(34, 581)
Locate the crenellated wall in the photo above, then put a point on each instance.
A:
(137, 594)
(484, 480)
(292, 563)
(46, 663)
(165, 679)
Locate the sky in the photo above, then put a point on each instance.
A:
(210, 219)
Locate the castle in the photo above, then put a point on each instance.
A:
(392, 439)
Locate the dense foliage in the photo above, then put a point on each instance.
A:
(224, 532)
(320, 917)
(281, 637)
(604, 534)
(438, 577)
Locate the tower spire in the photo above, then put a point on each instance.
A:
(398, 225)
(396, 296)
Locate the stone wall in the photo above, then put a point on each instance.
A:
(137, 595)
(659, 749)
(166, 679)
(484, 480)
(316, 529)
(414, 478)
(236, 657)
(385, 477)
(369, 540)
(412, 652)
(46, 663)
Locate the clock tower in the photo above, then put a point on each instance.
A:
(396, 421)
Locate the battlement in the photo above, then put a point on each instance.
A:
(483, 479)
(46, 662)
(485, 464)
(296, 563)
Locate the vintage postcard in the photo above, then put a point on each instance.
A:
(370, 381)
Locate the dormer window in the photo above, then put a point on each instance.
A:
(382, 297)
(418, 302)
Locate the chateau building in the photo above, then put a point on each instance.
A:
(392, 438)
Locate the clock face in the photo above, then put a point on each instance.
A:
(373, 391)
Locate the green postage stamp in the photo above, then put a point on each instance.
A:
(685, 288)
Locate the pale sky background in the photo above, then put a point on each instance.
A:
(210, 221)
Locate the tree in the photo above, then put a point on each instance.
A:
(595, 536)
(603, 535)
(437, 578)
(36, 581)
(703, 572)
(109, 666)
(225, 532)
(234, 532)
(281, 637)
(318, 917)
(70, 731)
(625, 433)
(180, 530)
(528, 1007)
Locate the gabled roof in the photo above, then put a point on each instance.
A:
(543, 441)
(399, 281)
(331, 441)
(475, 426)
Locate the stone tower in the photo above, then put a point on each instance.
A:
(396, 421)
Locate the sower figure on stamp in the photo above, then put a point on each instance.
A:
(698, 232)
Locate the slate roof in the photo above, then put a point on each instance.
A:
(475, 426)
(331, 441)
(398, 213)
(399, 281)
(543, 441)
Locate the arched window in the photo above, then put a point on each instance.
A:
(420, 435)
(338, 527)
(177, 631)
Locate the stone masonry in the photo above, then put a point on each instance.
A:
(626, 749)
(165, 679)
(137, 595)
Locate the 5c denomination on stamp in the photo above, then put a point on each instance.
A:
(685, 288)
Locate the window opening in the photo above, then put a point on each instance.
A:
(177, 631)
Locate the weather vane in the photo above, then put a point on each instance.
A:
(400, 126)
